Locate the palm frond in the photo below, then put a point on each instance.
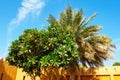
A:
(77, 20)
(62, 21)
(68, 13)
(88, 20)
(90, 31)
(52, 20)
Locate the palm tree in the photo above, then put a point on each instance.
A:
(93, 48)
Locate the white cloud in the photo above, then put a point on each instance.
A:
(27, 7)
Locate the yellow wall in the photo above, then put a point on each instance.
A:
(100, 73)
(117, 77)
(7, 72)
(20, 75)
(11, 72)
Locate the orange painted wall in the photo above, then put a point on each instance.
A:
(20, 75)
(100, 73)
(116, 77)
(7, 72)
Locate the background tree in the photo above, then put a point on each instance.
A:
(116, 64)
(36, 49)
(93, 48)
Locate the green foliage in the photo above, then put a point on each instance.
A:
(25, 52)
(116, 64)
(34, 49)
(62, 48)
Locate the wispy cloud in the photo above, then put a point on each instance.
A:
(27, 7)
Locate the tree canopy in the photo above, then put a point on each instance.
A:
(35, 49)
(116, 64)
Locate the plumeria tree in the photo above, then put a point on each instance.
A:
(36, 49)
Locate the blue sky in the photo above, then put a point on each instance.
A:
(17, 15)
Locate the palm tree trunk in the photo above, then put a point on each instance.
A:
(72, 72)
